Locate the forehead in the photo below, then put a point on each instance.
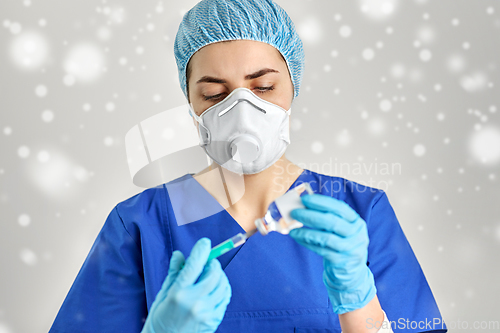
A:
(226, 56)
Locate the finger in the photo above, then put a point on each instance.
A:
(211, 309)
(220, 296)
(341, 277)
(195, 263)
(338, 259)
(222, 282)
(209, 279)
(335, 259)
(343, 267)
(221, 306)
(327, 240)
(322, 251)
(324, 221)
(176, 262)
(226, 298)
(326, 203)
(206, 289)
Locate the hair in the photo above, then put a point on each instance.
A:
(189, 70)
(259, 20)
(188, 74)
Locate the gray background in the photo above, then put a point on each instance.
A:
(414, 83)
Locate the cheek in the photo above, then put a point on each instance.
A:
(198, 110)
(285, 96)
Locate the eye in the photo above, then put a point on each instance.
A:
(260, 90)
(214, 97)
(263, 90)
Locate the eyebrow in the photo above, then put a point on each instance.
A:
(264, 71)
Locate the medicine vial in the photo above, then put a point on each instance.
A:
(277, 217)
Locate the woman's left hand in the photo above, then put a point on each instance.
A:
(336, 232)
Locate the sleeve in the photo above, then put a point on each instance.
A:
(108, 294)
(402, 288)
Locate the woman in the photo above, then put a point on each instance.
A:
(350, 268)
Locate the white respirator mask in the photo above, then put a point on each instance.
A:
(244, 133)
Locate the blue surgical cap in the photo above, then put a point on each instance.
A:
(212, 21)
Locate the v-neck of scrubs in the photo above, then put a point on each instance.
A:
(225, 211)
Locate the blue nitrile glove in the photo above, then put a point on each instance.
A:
(340, 236)
(182, 305)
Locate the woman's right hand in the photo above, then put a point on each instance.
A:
(182, 305)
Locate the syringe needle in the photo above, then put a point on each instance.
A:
(250, 233)
(230, 244)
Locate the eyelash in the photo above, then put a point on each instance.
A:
(261, 90)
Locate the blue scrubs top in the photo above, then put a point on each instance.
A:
(276, 283)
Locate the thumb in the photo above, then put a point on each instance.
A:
(195, 263)
(176, 263)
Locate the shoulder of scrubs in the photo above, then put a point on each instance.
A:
(109, 292)
(402, 288)
(144, 215)
(145, 218)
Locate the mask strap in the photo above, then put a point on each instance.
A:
(193, 114)
(203, 132)
(284, 128)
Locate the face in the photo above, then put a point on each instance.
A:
(217, 69)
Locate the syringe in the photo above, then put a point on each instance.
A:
(230, 244)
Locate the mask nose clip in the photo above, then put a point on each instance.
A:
(245, 148)
(239, 100)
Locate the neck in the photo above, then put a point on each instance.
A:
(248, 194)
